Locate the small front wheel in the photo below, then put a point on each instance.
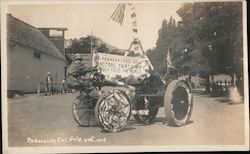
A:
(112, 110)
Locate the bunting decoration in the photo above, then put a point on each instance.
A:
(134, 23)
(118, 16)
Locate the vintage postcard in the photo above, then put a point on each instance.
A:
(124, 76)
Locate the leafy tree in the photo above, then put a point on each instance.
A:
(207, 41)
(214, 32)
(169, 40)
(215, 29)
(103, 49)
(82, 45)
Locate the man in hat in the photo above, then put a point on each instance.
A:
(75, 75)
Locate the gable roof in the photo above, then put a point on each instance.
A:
(29, 36)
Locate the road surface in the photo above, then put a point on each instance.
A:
(35, 120)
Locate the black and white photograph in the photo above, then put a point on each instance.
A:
(124, 76)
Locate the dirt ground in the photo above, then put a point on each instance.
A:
(47, 121)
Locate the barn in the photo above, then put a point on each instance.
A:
(30, 55)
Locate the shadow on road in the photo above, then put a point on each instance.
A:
(205, 94)
(202, 94)
(161, 119)
(157, 120)
(228, 101)
(223, 100)
(188, 123)
(127, 128)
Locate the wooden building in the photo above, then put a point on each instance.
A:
(30, 55)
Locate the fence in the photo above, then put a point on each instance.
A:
(220, 88)
(56, 88)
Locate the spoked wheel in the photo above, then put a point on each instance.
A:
(112, 110)
(83, 110)
(178, 103)
(145, 119)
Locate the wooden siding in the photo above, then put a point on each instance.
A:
(25, 71)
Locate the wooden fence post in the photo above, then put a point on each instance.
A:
(38, 88)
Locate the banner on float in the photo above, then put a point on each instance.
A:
(116, 65)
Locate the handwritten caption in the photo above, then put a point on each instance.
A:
(71, 139)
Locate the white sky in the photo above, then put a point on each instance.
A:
(81, 18)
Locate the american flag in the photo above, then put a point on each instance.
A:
(118, 14)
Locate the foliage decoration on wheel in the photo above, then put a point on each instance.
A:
(178, 103)
(112, 110)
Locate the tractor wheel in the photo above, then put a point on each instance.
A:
(112, 110)
(145, 119)
(83, 111)
(178, 103)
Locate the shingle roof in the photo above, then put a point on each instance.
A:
(29, 36)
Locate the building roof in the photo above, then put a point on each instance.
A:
(55, 28)
(29, 36)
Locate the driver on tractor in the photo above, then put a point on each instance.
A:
(76, 73)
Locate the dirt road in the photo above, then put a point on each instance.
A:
(47, 121)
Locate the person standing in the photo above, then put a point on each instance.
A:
(48, 83)
(63, 86)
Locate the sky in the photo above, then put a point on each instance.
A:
(82, 18)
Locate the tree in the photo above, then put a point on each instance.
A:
(206, 41)
(214, 33)
(103, 49)
(82, 45)
(169, 39)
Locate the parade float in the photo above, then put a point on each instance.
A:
(128, 85)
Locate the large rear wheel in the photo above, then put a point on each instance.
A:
(112, 110)
(83, 110)
(178, 103)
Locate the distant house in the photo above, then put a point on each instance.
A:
(30, 55)
(220, 77)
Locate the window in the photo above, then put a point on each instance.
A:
(37, 55)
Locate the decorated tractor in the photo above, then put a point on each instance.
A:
(121, 86)
(125, 86)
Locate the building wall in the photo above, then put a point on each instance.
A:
(59, 43)
(25, 71)
(58, 40)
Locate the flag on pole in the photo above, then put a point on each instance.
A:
(169, 61)
(118, 14)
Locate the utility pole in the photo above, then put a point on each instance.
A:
(92, 63)
(91, 48)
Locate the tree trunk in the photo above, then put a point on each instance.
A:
(207, 84)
